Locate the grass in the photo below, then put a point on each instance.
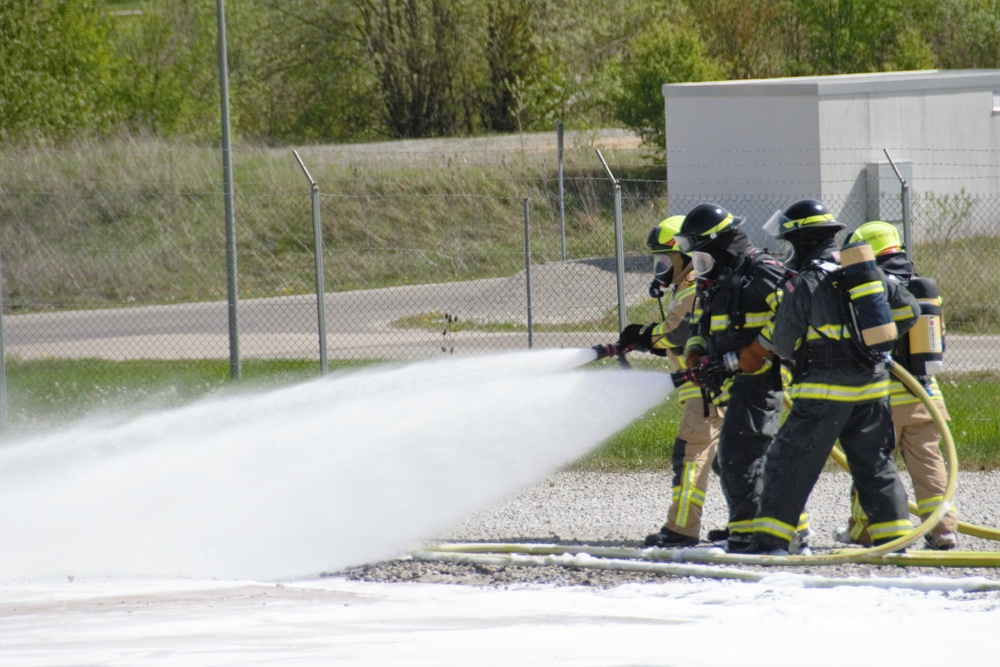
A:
(138, 221)
(45, 393)
(48, 392)
(971, 399)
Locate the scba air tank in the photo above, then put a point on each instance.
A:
(869, 304)
(926, 338)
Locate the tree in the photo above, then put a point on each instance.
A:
(665, 53)
(170, 54)
(56, 69)
(419, 49)
(746, 36)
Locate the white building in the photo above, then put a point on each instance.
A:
(757, 145)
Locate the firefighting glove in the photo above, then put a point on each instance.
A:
(656, 288)
(752, 357)
(692, 360)
(636, 337)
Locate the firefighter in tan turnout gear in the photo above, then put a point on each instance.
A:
(919, 351)
(695, 444)
(837, 319)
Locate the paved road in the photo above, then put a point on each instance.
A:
(360, 323)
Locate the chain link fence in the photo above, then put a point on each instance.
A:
(412, 268)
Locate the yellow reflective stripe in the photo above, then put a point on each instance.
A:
(751, 321)
(900, 395)
(835, 392)
(771, 526)
(687, 392)
(745, 526)
(803, 522)
(757, 320)
(811, 220)
(866, 289)
(928, 505)
(686, 292)
(720, 323)
(773, 299)
(694, 342)
(688, 494)
(889, 529)
(903, 313)
(719, 227)
(828, 332)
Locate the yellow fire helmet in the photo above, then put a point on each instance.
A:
(881, 236)
(661, 236)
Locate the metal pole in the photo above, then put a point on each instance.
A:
(227, 177)
(619, 245)
(562, 192)
(907, 229)
(318, 253)
(527, 271)
(3, 365)
(905, 201)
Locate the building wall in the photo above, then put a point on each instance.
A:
(757, 145)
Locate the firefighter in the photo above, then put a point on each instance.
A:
(919, 352)
(698, 432)
(737, 292)
(840, 387)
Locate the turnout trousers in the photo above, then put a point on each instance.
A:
(749, 426)
(917, 440)
(799, 452)
(693, 453)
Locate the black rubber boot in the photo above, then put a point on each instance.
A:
(763, 545)
(670, 539)
(718, 534)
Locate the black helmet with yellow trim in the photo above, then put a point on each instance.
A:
(706, 225)
(806, 218)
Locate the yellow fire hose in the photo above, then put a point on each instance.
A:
(620, 557)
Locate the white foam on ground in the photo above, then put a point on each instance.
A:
(288, 483)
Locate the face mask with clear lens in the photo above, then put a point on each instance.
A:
(703, 263)
(663, 269)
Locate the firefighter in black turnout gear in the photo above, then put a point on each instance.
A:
(840, 387)
(737, 294)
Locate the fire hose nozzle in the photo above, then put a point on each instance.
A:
(606, 350)
(711, 372)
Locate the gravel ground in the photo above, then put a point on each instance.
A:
(620, 509)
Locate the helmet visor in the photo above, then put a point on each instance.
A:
(686, 243)
(703, 263)
(775, 225)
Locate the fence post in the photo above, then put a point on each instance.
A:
(235, 370)
(562, 192)
(318, 252)
(619, 244)
(527, 271)
(905, 201)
